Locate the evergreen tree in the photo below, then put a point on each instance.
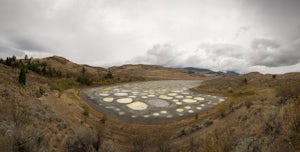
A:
(108, 75)
(22, 76)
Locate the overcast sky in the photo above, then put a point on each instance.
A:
(240, 35)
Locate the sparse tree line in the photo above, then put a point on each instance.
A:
(43, 69)
(27, 64)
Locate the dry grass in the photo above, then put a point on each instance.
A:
(265, 124)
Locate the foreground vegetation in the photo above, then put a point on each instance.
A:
(261, 115)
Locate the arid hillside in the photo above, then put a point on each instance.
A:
(262, 113)
(122, 73)
(69, 68)
(153, 72)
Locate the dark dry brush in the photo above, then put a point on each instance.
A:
(267, 117)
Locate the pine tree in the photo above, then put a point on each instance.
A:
(22, 76)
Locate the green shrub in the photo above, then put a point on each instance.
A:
(85, 80)
(86, 111)
(40, 92)
(22, 76)
(108, 75)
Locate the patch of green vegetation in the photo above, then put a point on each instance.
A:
(63, 84)
(40, 92)
(84, 78)
(22, 76)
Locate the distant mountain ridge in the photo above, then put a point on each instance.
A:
(208, 71)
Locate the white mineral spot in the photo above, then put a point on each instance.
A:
(179, 103)
(199, 98)
(158, 103)
(177, 91)
(108, 99)
(179, 97)
(163, 112)
(146, 116)
(151, 95)
(179, 110)
(165, 97)
(172, 94)
(199, 108)
(125, 90)
(107, 89)
(104, 94)
(169, 116)
(137, 105)
(121, 94)
(117, 109)
(156, 114)
(116, 90)
(189, 97)
(202, 105)
(121, 113)
(185, 93)
(144, 97)
(189, 100)
(221, 100)
(133, 116)
(187, 107)
(125, 100)
(175, 100)
(191, 111)
(132, 96)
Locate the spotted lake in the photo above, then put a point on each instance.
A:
(150, 102)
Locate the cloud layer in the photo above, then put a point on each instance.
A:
(236, 35)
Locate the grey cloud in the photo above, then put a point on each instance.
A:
(214, 56)
(268, 52)
(5, 52)
(263, 44)
(106, 31)
(164, 54)
(241, 31)
(27, 44)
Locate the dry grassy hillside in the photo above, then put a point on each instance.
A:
(262, 113)
(121, 73)
(69, 68)
(152, 72)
